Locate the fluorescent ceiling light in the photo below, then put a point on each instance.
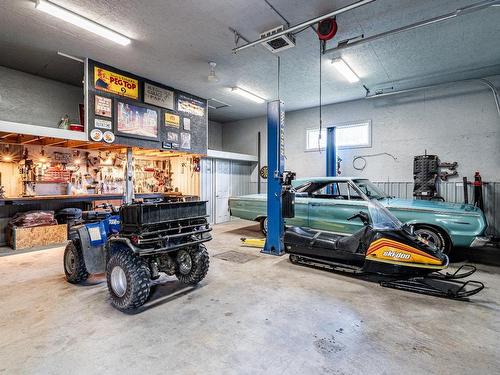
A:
(247, 94)
(84, 23)
(345, 70)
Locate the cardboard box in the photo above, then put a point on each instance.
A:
(23, 238)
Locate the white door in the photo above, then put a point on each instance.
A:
(207, 186)
(222, 189)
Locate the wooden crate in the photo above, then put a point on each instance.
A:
(23, 238)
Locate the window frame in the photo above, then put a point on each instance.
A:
(341, 125)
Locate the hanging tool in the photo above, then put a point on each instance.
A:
(478, 191)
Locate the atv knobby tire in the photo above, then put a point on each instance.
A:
(199, 260)
(74, 264)
(128, 279)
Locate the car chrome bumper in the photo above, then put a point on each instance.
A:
(480, 241)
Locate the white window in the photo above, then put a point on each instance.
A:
(351, 135)
(354, 135)
(313, 142)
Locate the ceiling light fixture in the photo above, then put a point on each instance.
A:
(247, 94)
(212, 77)
(84, 23)
(345, 70)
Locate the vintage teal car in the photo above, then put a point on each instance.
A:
(325, 203)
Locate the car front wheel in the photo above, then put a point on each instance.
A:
(434, 236)
(263, 226)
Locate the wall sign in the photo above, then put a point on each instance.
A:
(108, 137)
(103, 106)
(148, 111)
(103, 124)
(190, 105)
(186, 141)
(172, 137)
(136, 121)
(263, 172)
(96, 135)
(62, 157)
(157, 96)
(172, 120)
(114, 83)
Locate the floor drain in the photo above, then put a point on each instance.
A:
(235, 257)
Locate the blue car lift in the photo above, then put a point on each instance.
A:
(331, 153)
(276, 166)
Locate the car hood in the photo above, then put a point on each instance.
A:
(426, 205)
(250, 196)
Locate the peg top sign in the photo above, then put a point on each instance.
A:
(114, 83)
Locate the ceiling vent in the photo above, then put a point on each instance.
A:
(279, 43)
(216, 104)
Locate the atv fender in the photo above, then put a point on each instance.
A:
(94, 256)
(119, 244)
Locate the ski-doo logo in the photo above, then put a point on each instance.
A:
(396, 255)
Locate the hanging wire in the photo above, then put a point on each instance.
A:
(320, 97)
(279, 73)
(363, 159)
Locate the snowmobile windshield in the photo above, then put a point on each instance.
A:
(382, 218)
(369, 189)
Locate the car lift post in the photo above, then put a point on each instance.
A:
(331, 153)
(276, 166)
(331, 156)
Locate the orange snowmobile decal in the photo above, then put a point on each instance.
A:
(390, 251)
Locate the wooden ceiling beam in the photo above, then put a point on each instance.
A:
(31, 140)
(53, 141)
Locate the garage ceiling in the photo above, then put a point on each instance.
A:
(174, 40)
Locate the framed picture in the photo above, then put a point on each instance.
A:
(172, 120)
(103, 106)
(186, 141)
(158, 96)
(172, 137)
(190, 105)
(114, 83)
(136, 121)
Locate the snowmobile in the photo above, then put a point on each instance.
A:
(384, 250)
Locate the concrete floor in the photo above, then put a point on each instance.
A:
(265, 316)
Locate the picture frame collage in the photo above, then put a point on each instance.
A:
(142, 110)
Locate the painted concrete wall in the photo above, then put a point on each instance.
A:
(458, 122)
(33, 100)
(214, 135)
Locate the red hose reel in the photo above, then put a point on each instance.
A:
(327, 29)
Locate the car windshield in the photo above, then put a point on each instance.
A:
(382, 218)
(370, 190)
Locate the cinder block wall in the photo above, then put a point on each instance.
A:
(458, 122)
(33, 100)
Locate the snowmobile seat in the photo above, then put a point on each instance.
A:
(327, 241)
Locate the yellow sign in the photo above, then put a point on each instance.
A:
(114, 83)
(172, 120)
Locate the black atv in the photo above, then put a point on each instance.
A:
(137, 243)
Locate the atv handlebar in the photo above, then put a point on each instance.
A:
(107, 206)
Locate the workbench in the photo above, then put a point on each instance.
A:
(9, 206)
